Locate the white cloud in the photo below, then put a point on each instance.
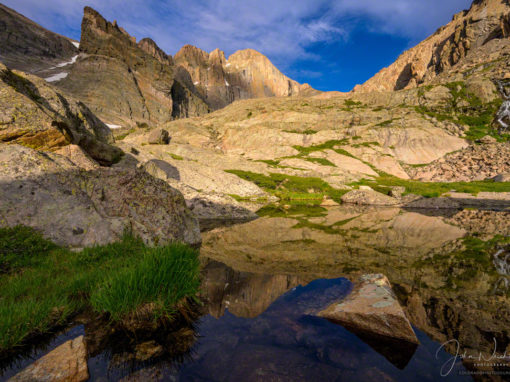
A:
(281, 29)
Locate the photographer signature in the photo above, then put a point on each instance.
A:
(447, 367)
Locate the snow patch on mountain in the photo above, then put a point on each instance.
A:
(56, 77)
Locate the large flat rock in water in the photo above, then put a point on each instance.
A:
(68, 362)
(372, 308)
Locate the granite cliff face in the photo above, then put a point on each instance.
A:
(29, 47)
(469, 30)
(246, 74)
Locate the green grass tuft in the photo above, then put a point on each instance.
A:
(163, 275)
(21, 246)
(321, 161)
(47, 284)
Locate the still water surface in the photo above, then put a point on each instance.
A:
(264, 281)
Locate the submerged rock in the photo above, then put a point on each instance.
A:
(372, 308)
(433, 203)
(68, 363)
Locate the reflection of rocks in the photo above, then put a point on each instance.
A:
(433, 203)
(243, 294)
(447, 293)
(148, 350)
(484, 223)
(67, 363)
(347, 238)
(372, 308)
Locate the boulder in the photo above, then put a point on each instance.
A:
(488, 139)
(34, 114)
(502, 178)
(372, 308)
(66, 363)
(433, 203)
(397, 191)
(79, 208)
(158, 137)
(161, 169)
(369, 197)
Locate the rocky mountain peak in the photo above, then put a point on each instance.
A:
(99, 36)
(191, 55)
(217, 56)
(149, 46)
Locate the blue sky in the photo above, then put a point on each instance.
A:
(331, 44)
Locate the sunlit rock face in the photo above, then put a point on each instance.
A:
(469, 30)
(36, 115)
(246, 74)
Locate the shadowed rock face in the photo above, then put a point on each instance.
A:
(27, 46)
(79, 208)
(150, 47)
(486, 20)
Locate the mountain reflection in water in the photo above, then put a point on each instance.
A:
(264, 280)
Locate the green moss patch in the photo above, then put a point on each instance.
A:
(467, 109)
(431, 189)
(288, 187)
